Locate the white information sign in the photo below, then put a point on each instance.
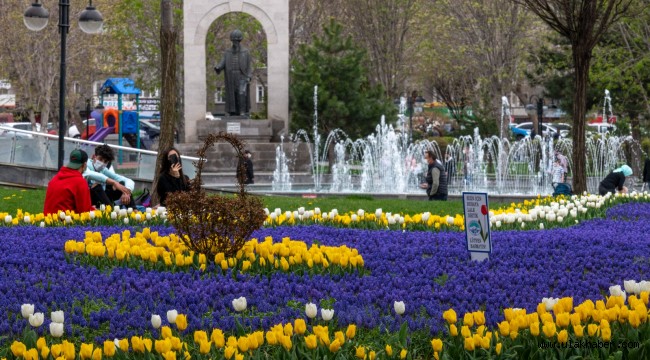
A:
(477, 225)
(233, 128)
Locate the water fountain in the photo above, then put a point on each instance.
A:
(385, 161)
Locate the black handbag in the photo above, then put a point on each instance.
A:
(144, 199)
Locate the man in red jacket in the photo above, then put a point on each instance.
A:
(68, 190)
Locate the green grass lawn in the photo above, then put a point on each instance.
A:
(32, 201)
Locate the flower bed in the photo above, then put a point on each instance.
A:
(430, 272)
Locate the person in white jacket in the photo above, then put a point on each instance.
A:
(107, 186)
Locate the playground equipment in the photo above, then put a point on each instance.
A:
(117, 121)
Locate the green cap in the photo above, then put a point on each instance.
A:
(77, 159)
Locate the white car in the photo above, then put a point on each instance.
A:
(601, 128)
(21, 126)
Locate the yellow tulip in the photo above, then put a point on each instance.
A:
(514, 334)
(40, 343)
(18, 348)
(310, 342)
(563, 336)
(242, 344)
(68, 350)
(469, 344)
(403, 353)
(389, 350)
(300, 326)
(218, 338)
(498, 348)
(549, 329)
(45, 352)
(592, 329)
(204, 346)
(504, 328)
(163, 346)
(181, 322)
(578, 330)
(634, 319)
(200, 335)
(86, 351)
(229, 352)
(453, 330)
(340, 337)
(468, 319)
(606, 334)
(372, 355)
(479, 317)
(436, 344)
(109, 348)
(534, 328)
(170, 355)
(351, 331)
(97, 354)
(562, 319)
(335, 345)
(360, 352)
(166, 332)
(465, 331)
(124, 344)
(450, 316)
(31, 354)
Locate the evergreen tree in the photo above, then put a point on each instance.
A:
(346, 100)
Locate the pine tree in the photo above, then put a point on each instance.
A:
(346, 99)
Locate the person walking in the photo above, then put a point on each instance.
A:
(68, 190)
(245, 168)
(615, 181)
(436, 179)
(171, 177)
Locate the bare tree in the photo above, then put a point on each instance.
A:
(583, 23)
(384, 31)
(168, 114)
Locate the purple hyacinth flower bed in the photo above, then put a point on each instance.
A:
(430, 272)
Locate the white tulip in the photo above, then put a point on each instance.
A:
(326, 314)
(8, 219)
(91, 215)
(147, 216)
(560, 219)
(61, 215)
(550, 302)
(56, 329)
(113, 215)
(644, 286)
(391, 220)
(523, 225)
(277, 211)
(42, 224)
(138, 217)
(58, 316)
(631, 287)
(26, 219)
(102, 207)
(311, 310)
(617, 291)
(156, 321)
(317, 211)
(129, 211)
(171, 316)
(122, 213)
(36, 319)
(450, 220)
(148, 210)
(116, 341)
(399, 307)
(334, 212)
(498, 224)
(26, 310)
(68, 219)
(288, 214)
(295, 214)
(273, 216)
(239, 304)
(378, 212)
(353, 218)
(325, 216)
(541, 226)
(301, 210)
(266, 211)
(360, 212)
(126, 220)
(426, 216)
(160, 210)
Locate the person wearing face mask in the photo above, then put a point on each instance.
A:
(106, 186)
(171, 178)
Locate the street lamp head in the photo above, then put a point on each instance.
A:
(36, 17)
(91, 20)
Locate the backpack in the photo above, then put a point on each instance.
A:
(562, 189)
(143, 199)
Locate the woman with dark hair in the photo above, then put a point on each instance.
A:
(171, 177)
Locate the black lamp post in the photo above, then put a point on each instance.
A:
(87, 119)
(90, 22)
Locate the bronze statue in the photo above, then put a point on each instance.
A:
(237, 64)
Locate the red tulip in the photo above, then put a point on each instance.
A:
(484, 210)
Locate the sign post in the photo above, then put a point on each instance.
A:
(477, 225)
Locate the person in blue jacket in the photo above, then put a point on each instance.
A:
(107, 186)
(615, 181)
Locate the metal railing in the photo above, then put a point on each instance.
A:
(37, 149)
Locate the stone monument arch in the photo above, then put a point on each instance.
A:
(198, 15)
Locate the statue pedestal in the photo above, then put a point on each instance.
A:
(247, 129)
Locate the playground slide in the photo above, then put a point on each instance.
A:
(98, 136)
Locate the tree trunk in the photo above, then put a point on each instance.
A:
(168, 36)
(581, 60)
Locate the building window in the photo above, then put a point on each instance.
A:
(260, 93)
(218, 96)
